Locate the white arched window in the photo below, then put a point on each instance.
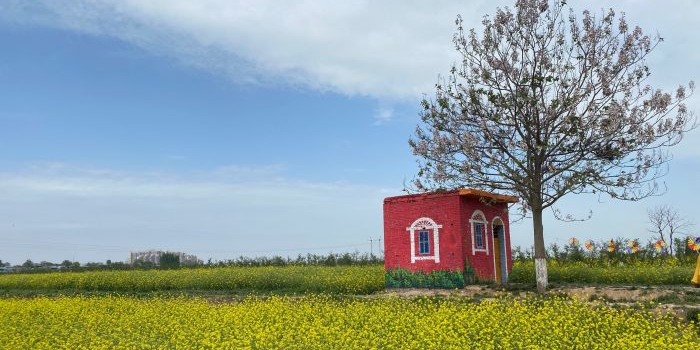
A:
(479, 230)
(422, 228)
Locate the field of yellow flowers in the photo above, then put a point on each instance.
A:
(323, 322)
(668, 272)
(294, 279)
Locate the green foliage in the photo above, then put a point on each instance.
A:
(331, 259)
(144, 265)
(401, 278)
(469, 275)
(599, 256)
(693, 315)
(667, 272)
(169, 261)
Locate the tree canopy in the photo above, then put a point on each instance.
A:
(545, 103)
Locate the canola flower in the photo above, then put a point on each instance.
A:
(323, 322)
(298, 279)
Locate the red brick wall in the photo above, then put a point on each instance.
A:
(401, 212)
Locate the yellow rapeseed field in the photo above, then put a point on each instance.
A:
(323, 322)
(660, 272)
(298, 279)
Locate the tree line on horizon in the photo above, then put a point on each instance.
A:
(169, 262)
(616, 251)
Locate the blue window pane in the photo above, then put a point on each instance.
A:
(424, 242)
(479, 235)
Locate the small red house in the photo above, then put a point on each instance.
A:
(448, 231)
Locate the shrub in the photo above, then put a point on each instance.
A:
(400, 278)
(169, 261)
(693, 315)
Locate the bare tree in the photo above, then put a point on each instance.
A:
(664, 219)
(544, 104)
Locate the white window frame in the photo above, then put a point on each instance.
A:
(422, 224)
(483, 221)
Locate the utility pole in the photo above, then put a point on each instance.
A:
(379, 245)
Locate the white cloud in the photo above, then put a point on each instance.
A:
(380, 49)
(383, 115)
(384, 49)
(204, 213)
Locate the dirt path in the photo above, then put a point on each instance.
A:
(678, 300)
(611, 293)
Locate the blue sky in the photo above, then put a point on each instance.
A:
(236, 128)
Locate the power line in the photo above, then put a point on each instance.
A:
(379, 244)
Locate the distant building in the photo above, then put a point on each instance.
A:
(153, 256)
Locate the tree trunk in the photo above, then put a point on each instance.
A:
(540, 253)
